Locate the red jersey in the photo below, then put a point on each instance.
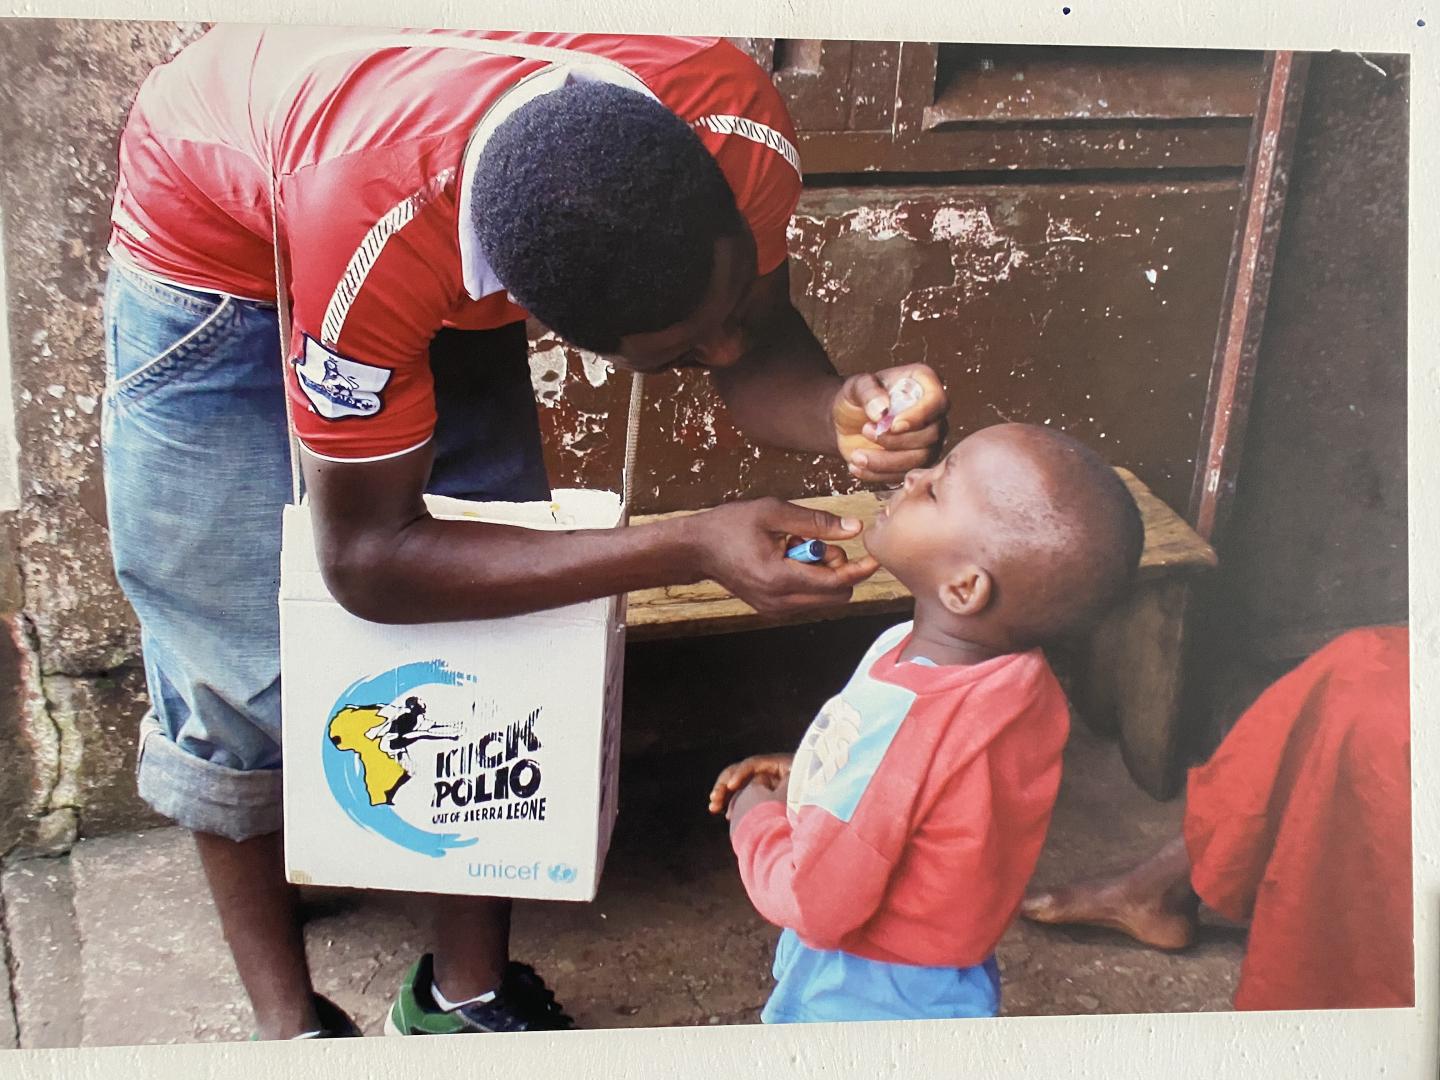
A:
(365, 134)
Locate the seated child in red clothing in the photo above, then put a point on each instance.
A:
(895, 846)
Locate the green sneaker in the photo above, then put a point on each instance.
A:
(522, 1003)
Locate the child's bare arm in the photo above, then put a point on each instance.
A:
(771, 770)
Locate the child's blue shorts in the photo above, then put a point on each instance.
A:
(815, 986)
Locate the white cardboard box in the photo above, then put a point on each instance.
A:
(478, 757)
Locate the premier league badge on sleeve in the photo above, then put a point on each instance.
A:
(338, 386)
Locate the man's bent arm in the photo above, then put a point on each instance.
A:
(387, 560)
(782, 392)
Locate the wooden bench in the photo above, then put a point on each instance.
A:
(1126, 680)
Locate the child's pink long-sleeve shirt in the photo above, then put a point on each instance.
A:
(917, 808)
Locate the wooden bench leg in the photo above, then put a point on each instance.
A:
(1129, 680)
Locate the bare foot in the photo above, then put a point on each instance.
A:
(1153, 903)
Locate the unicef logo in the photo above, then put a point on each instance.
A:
(561, 874)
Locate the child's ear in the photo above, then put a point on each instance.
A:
(968, 592)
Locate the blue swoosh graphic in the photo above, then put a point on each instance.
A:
(346, 777)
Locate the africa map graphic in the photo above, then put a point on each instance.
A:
(365, 754)
(381, 736)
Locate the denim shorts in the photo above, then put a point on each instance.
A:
(197, 472)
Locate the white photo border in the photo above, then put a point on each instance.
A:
(1398, 1043)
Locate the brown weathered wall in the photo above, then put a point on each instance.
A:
(1033, 301)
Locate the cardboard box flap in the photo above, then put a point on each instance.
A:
(569, 509)
(300, 577)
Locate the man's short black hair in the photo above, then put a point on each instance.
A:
(599, 210)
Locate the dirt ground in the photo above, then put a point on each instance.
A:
(693, 952)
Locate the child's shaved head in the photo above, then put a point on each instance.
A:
(1022, 533)
(1064, 520)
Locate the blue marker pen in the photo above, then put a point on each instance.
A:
(809, 551)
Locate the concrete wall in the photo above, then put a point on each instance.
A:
(71, 647)
(1317, 541)
(9, 448)
(1318, 537)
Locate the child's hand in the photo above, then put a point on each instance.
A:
(749, 797)
(772, 770)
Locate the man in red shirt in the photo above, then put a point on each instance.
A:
(420, 193)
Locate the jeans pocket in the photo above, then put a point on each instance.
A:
(151, 327)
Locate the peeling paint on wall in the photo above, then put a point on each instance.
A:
(548, 367)
(879, 223)
(597, 368)
(1005, 289)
